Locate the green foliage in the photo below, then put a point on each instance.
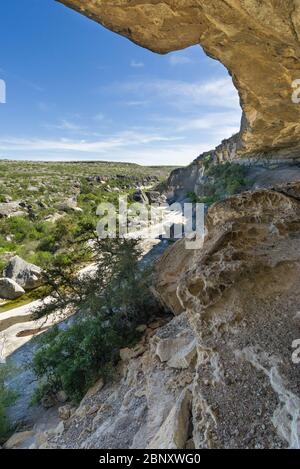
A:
(229, 178)
(111, 303)
(7, 398)
(34, 238)
(223, 180)
(207, 161)
(193, 197)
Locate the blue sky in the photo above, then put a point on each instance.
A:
(77, 91)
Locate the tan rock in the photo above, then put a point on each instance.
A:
(169, 268)
(178, 352)
(93, 390)
(81, 411)
(127, 354)
(18, 439)
(141, 328)
(64, 412)
(41, 439)
(93, 410)
(173, 433)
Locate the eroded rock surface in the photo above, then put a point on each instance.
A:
(241, 294)
(148, 405)
(258, 42)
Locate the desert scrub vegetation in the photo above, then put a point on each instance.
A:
(43, 229)
(221, 181)
(109, 304)
(7, 398)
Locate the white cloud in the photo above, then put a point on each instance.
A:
(177, 59)
(166, 153)
(65, 125)
(99, 117)
(135, 64)
(213, 120)
(122, 139)
(218, 92)
(136, 103)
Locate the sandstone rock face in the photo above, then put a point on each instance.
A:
(241, 294)
(258, 42)
(149, 405)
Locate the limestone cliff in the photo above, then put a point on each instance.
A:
(241, 294)
(258, 42)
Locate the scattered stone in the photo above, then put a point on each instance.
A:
(64, 412)
(8, 209)
(127, 354)
(141, 328)
(178, 352)
(69, 205)
(62, 397)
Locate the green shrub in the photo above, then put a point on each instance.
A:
(193, 197)
(224, 180)
(110, 304)
(7, 398)
(229, 178)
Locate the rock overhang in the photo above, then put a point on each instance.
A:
(257, 42)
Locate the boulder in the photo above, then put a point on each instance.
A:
(62, 397)
(64, 412)
(9, 289)
(69, 205)
(28, 276)
(10, 208)
(178, 352)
